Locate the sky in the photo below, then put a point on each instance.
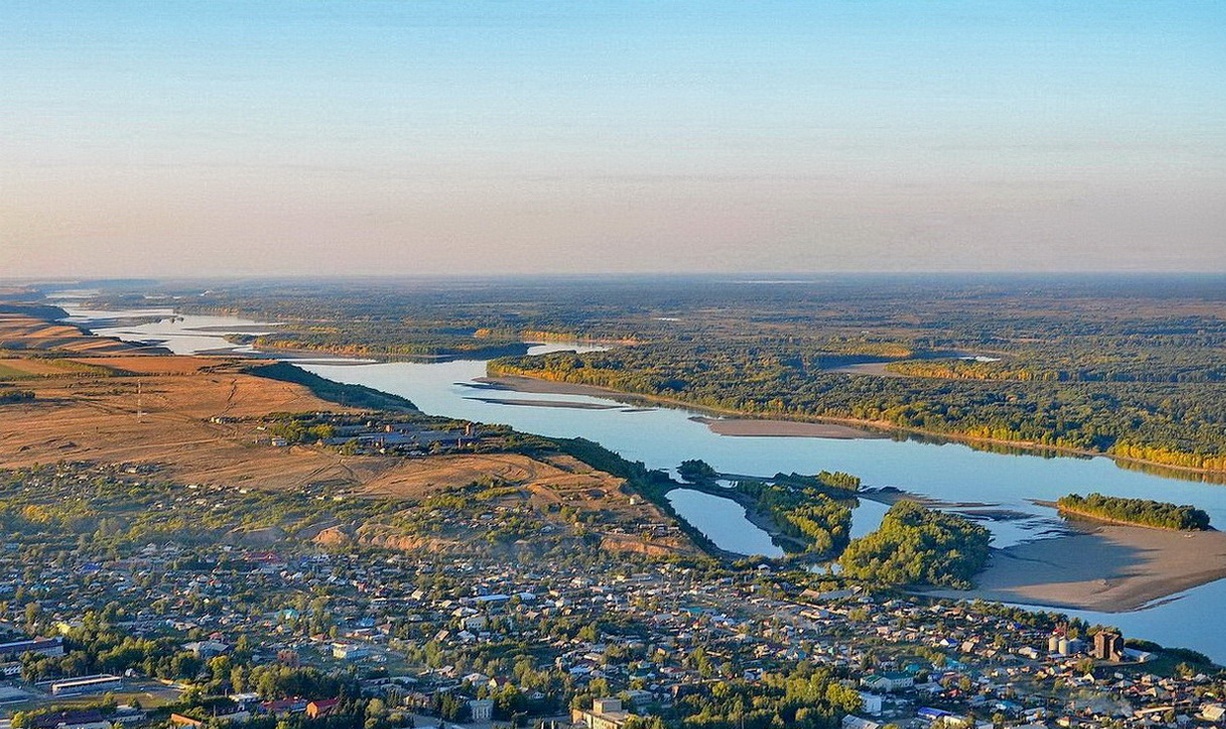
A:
(176, 138)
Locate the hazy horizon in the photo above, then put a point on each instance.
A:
(192, 140)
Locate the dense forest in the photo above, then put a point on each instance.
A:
(1129, 366)
(918, 546)
(1136, 511)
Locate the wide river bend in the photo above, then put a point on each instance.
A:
(663, 437)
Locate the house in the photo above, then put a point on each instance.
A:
(125, 714)
(1213, 712)
(349, 651)
(640, 698)
(939, 717)
(206, 648)
(282, 707)
(321, 708)
(854, 722)
(246, 700)
(226, 712)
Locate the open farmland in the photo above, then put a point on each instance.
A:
(204, 420)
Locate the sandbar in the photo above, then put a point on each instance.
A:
(750, 427)
(890, 495)
(1109, 568)
(746, 427)
(549, 387)
(545, 403)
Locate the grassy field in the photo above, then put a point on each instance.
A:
(8, 372)
(149, 694)
(164, 415)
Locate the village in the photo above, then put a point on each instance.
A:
(192, 632)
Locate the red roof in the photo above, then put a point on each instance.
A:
(322, 707)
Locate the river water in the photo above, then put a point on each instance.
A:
(982, 484)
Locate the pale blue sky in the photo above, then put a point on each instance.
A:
(169, 137)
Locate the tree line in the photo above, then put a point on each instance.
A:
(1146, 512)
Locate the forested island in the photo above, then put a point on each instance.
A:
(811, 511)
(359, 340)
(919, 547)
(1144, 512)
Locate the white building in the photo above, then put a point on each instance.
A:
(482, 710)
(872, 703)
(86, 685)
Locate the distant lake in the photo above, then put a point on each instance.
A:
(984, 483)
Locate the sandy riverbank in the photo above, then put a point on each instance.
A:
(1110, 568)
(890, 495)
(545, 403)
(736, 427)
(549, 387)
(748, 427)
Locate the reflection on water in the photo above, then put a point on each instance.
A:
(866, 517)
(723, 521)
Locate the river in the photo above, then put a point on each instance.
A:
(980, 482)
